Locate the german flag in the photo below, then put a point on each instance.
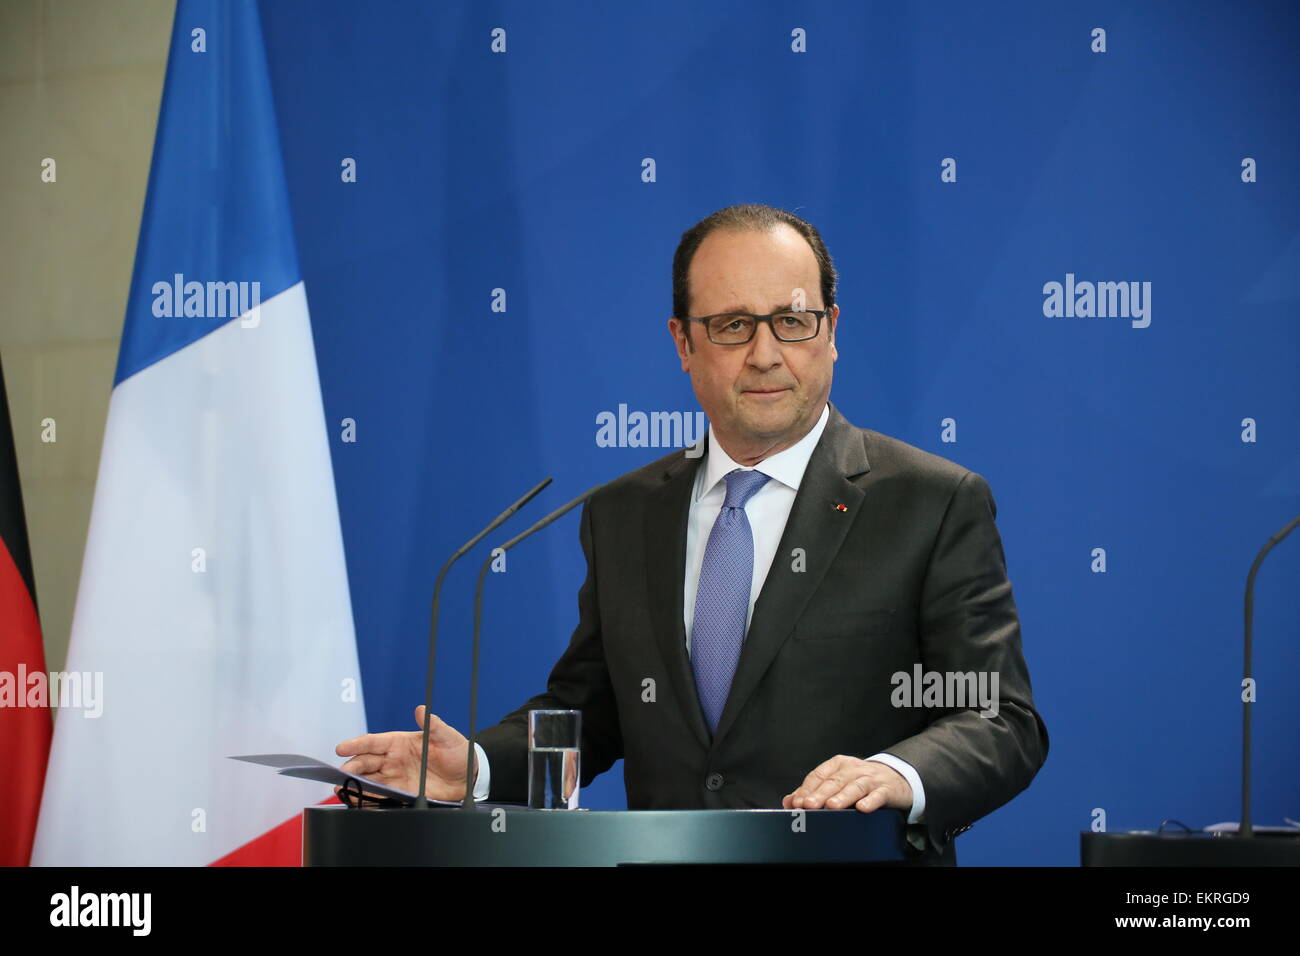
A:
(24, 731)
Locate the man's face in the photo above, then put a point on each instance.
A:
(761, 397)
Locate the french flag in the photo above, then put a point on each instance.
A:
(214, 602)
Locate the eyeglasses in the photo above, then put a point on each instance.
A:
(738, 328)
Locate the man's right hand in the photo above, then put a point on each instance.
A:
(393, 758)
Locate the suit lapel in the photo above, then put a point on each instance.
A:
(815, 525)
(666, 514)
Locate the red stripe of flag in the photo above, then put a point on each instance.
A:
(24, 731)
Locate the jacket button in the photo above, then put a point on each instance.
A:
(713, 781)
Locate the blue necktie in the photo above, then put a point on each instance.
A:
(722, 600)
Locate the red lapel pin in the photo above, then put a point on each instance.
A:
(841, 507)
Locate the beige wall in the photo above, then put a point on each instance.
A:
(80, 82)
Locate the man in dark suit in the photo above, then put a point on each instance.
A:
(753, 620)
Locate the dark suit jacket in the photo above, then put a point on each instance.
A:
(912, 572)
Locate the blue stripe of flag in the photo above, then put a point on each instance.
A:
(217, 207)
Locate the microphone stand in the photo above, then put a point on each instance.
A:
(421, 802)
(1246, 830)
(468, 802)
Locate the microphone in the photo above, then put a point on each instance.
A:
(468, 802)
(420, 801)
(1246, 830)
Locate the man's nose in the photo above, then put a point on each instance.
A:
(765, 349)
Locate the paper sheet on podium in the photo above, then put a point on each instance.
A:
(309, 768)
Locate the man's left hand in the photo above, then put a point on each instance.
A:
(851, 782)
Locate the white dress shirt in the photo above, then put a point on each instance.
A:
(767, 510)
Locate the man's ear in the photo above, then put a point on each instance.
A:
(677, 329)
(832, 319)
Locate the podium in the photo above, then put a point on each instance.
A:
(1144, 848)
(511, 835)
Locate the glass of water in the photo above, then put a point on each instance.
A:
(553, 772)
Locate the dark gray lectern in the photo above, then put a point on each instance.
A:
(1143, 848)
(512, 835)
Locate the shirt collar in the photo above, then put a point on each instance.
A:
(786, 466)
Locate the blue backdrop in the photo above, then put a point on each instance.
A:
(956, 158)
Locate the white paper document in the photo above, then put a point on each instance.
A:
(309, 768)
